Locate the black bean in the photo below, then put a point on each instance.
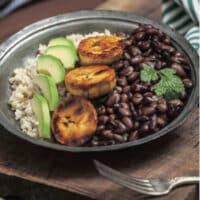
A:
(116, 106)
(118, 89)
(100, 128)
(133, 76)
(153, 122)
(162, 105)
(136, 124)
(179, 60)
(164, 64)
(124, 105)
(144, 128)
(120, 127)
(148, 52)
(168, 48)
(137, 98)
(149, 100)
(152, 31)
(107, 134)
(147, 26)
(128, 122)
(183, 96)
(101, 110)
(110, 142)
(130, 95)
(136, 108)
(161, 121)
(144, 45)
(127, 56)
(122, 35)
(140, 88)
(134, 51)
(103, 119)
(118, 65)
(124, 112)
(166, 39)
(94, 143)
(160, 34)
(179, 69)
(128, 42)
(151, 58)
(122, 81)
(133, 136)
(112, 117)
(126, 63)
(132, 108)
(158, 56)
(140, 28)
(166, 55)
(118, 138)
(148, 94)
(126, 71)
(123, 97)
(139, 36)
(136, 60)
(155, 38)
(142, 65)
(148, 110)
(175, 102)
(110, 110)
(187, 83)
(113, 99)
(142, 118)
(158, 64)
(127, 89)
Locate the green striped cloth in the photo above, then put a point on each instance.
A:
(183, 16)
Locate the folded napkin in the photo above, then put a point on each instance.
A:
(11, 6)
(183, 16)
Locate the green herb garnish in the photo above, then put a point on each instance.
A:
(170, 85)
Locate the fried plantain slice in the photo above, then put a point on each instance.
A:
(74, 121)
(91, 81)
(100, 50)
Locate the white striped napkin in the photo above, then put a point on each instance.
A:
(183, 16)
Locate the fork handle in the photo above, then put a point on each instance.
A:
(185, 180)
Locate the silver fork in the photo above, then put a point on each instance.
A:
(153, 186)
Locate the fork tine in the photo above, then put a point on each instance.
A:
(142, 182)
(123, 179)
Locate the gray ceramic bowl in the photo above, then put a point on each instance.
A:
(25, 43)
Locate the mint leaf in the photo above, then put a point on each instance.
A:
(170, 86)
(148, 74)
(167, 71)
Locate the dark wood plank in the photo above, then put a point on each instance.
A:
(13, 188)
(173, 155)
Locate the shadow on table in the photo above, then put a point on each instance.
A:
(12, 188)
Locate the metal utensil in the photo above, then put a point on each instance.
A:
(153, 186)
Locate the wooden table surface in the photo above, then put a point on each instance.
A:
(170, 156)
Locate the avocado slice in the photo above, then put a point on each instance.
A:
(40, 108)
(66, 55)
(61, 41)
(52, 66)
(48, 88)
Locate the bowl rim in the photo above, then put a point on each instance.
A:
(111, 15)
